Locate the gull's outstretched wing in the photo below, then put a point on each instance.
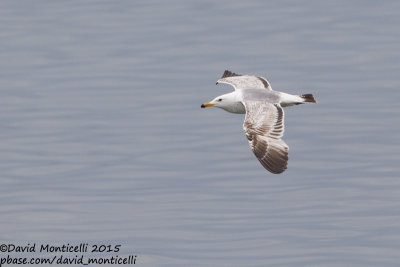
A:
(264, 127)
(244, 81)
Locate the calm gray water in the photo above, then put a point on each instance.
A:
(103, 139)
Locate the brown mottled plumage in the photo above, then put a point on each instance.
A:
(264, 120)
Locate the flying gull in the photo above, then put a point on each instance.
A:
(264, 119)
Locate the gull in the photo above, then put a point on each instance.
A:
(264, 119)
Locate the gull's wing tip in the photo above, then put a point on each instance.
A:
(228, 73)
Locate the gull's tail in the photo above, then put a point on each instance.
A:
(290, 100)
(308, 98)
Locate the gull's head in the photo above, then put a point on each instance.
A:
(219, 102)
(226, 101)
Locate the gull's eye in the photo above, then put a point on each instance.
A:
(219, 100)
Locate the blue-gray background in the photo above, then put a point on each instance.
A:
(103, 139)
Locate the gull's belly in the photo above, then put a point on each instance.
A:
(237, 107)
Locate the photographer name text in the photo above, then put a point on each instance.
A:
(47, 248)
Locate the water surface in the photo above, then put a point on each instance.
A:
(103, 139)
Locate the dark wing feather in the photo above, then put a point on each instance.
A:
(239, 81)
(265, 82)
(228, 73)
(264, 127)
